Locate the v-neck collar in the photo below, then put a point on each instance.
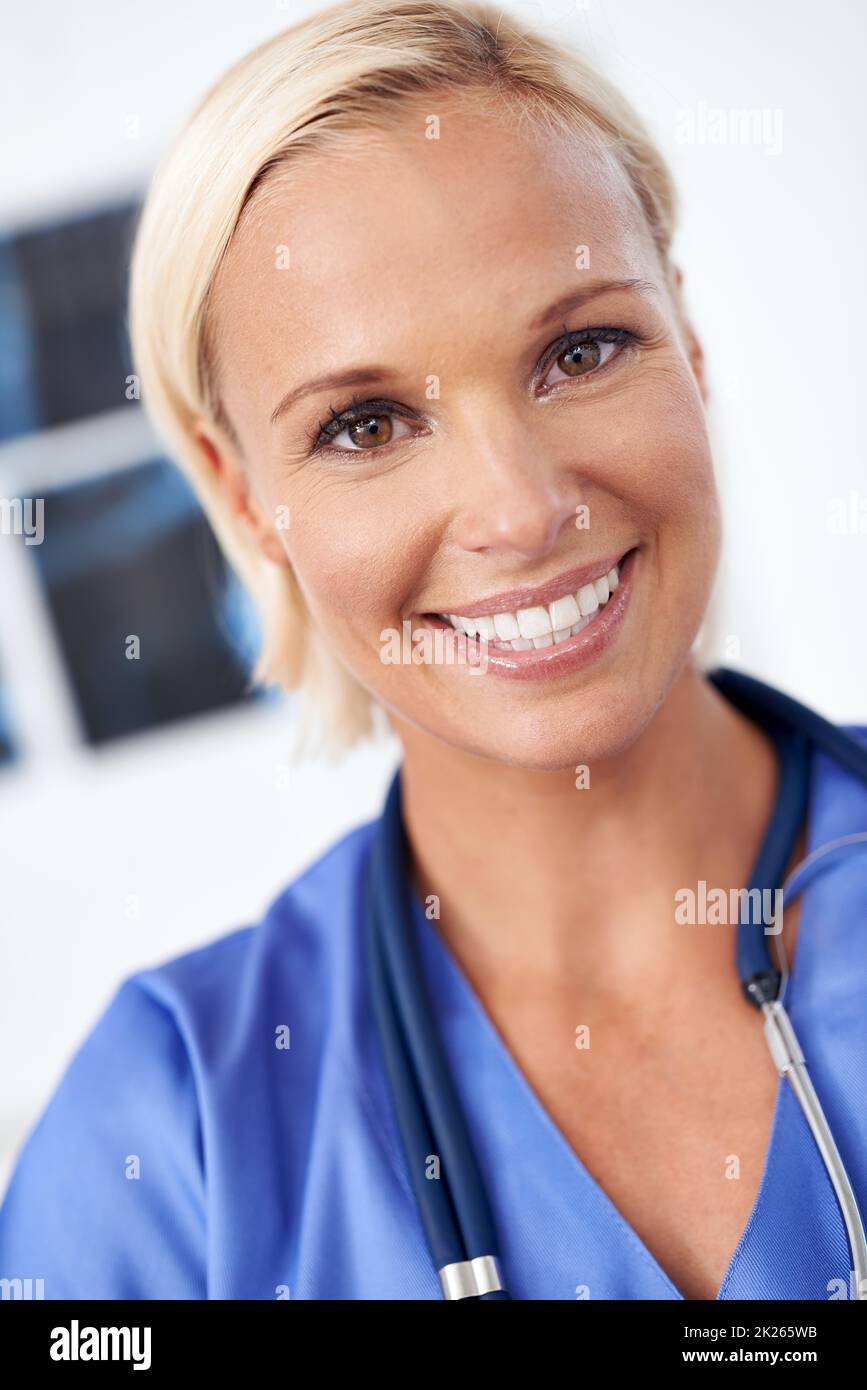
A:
(536, 1170)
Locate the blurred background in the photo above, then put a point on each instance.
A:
(149, 806)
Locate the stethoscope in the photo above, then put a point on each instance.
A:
(453, 1204)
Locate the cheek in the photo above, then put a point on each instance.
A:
(359, 551)
(655, 458)
(658, 442)
(357, 546)
(680, 495)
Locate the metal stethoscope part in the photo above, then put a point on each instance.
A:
(788, 1058)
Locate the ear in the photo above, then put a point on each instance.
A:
(694, 350)
(231, 476)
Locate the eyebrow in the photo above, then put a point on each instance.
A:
(377, 376)
(350, 376)
(576, 299)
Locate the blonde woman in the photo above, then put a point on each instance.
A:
(404, 310)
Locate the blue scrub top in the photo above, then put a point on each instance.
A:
(268, 1171)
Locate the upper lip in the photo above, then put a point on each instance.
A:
(512, 600)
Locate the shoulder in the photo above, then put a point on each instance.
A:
(108, 1195)
(106, 1199)
(858, 732)
(838, 801)
(836, 883)
(304, 934)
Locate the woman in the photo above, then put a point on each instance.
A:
(403, 306)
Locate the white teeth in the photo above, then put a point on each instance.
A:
(587, 600)
(542, 626)
(534, 622)
(506, 625)
(564, 611)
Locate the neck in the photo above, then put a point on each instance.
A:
(539, 878)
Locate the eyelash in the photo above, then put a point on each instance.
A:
(357, 407)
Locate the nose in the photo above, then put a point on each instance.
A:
(514, 494)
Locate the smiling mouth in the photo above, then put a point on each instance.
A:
(543, 624)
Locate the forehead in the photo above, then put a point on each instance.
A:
(396, 239)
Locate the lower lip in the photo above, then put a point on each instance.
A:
(550, 663)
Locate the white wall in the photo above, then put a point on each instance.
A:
(200, 823)
(122, 858)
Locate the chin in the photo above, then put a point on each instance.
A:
(576, 728)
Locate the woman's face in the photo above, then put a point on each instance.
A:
(455, 365)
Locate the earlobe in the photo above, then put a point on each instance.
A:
(231, 478)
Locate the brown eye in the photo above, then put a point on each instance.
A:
(369, 430)
(580, 358)
(365, 426)
(583, 358)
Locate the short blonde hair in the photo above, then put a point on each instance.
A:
(342, 70)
